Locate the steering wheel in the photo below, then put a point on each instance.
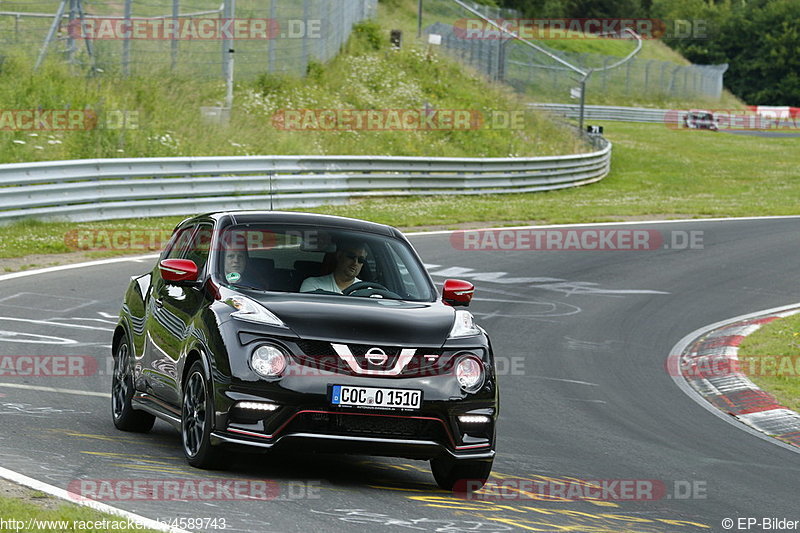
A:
(369, 288)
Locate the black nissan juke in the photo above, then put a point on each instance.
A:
(259, 330)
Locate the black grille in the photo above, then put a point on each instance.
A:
(367, 426)
(315, 348)
(376, 425)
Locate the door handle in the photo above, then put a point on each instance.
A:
(159, 302)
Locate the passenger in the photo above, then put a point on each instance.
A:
(350, 258)
(237, 268)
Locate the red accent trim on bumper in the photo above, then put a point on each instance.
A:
(281, 428)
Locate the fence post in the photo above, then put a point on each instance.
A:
(686, 80)
(306, 7)
(126, 43)
(273, 22)
(628, 77)
(672, 89)
(175, 13)
(73, 13)
(51, 33)
(501, 59)
(226, 42)
(229, 12)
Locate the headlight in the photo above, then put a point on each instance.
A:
(469, 373)
(464, 325)
(268, 361)
(247, 309)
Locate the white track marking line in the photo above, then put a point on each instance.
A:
(566, 380)
(55, 389)
(51, 323)
(58, 268)
(584, 224)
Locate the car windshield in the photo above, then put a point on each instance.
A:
(327, 261)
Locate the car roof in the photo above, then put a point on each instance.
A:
(299, 218)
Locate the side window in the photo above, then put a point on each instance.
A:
(177, 243)
(200, 246)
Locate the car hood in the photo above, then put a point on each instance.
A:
(363, 320)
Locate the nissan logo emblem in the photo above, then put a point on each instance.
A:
(376, 356)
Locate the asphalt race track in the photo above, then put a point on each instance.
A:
(581, 336)
(761, 133)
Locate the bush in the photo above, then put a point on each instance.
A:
(369, 33)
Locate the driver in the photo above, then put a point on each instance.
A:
(350, 258)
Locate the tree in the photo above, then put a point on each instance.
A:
(760, 40)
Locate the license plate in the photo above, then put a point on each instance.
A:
(376, 397)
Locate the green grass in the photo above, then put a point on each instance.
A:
(37, 237)
(366, 76)
(771, 358)
(657, 172)
(24, 510)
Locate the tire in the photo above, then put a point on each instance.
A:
(196, 420)
(125, 417)
(460, 476)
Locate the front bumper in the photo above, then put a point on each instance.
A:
(306, 419)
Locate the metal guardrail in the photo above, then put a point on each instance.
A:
(103, 189)
(623, 114)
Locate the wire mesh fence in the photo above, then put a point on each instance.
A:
(191, 37)
(503, 58)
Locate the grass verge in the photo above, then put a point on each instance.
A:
(771, 359)
(35, 511)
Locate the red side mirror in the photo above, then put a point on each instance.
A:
(177, 270)
(457, 292)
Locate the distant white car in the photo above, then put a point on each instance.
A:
(700, 120)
